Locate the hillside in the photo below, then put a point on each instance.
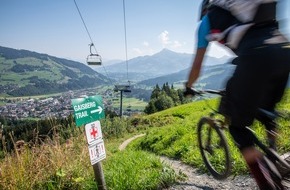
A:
(25, 73)
(174, 134)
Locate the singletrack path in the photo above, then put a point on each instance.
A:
(126, 142)
(199, 181)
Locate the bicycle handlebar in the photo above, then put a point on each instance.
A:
(193, 92)
(218, 92)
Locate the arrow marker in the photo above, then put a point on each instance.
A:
(100, 109)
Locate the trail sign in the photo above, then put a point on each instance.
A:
(97, 152)
(87, 110)
(95, 142)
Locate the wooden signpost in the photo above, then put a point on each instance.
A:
(88, 111)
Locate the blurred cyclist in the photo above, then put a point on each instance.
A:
(250, 29)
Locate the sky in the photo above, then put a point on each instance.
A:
(55, 27)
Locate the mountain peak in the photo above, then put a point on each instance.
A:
(165, 50)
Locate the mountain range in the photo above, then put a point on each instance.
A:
(173, 68)
(160, 64)
(25, 73)
(212, 77)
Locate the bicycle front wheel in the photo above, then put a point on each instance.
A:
(214, 148)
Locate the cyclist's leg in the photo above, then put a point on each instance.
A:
(244, 90)
(272, 94)
(271, 127)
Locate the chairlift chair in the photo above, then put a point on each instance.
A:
(124, 88)
(94, 59)
(127, 88)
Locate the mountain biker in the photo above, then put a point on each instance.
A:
(249, 28)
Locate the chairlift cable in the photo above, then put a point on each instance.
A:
(84, 23)
(92, 43)
(125, 31)
(126, 49)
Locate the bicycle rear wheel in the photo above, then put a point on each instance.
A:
(214, 148)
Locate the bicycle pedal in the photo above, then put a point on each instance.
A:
(272, 168)
(284, 171)
(286, 182)
(286, 157)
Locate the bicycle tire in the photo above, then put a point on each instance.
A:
(214, 149)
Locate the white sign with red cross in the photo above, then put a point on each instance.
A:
(93, 132)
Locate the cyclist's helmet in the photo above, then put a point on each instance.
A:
(203, 8)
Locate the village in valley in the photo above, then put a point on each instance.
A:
(58, 106)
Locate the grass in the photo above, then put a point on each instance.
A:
(55, 166)
(142, 171)
(131, 103)
(49, 166)
(54, 71)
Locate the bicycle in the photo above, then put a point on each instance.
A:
(214, 147)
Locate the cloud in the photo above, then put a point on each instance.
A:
(164, 38)
(144, 50)
(137, 51)
(166, 42)
(176, 44)
(146, 44)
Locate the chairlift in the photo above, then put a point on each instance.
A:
(124, 88)
(93, 59)
(127, 88)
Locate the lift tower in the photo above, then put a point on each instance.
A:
(122, 88)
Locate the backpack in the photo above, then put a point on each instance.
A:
(248, 13)
(245, 10)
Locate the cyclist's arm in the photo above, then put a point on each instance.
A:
(202, 44)
(196, 67)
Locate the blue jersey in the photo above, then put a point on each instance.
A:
(203, 31)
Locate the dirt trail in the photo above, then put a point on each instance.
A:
(198, 181)
(126, 142)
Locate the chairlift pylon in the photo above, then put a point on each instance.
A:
(93, 59)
